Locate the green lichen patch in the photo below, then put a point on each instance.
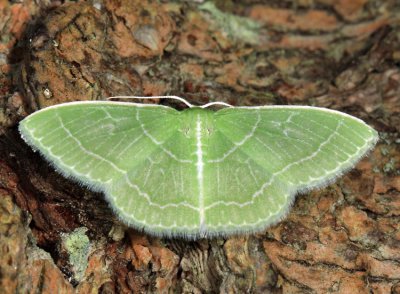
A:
(236, 27)
(77, 245)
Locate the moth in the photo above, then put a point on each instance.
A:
(198, 173)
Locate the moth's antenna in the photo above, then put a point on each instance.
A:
(216, 103)
(152, 97)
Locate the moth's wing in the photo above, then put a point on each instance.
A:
(134, 153)
(90, 141)
(262, 156)
(164, 182)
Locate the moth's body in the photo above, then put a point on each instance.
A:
(189, 119)
(198, 172)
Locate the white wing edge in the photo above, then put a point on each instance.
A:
(105, 102)
(99, 102)
(297, 107)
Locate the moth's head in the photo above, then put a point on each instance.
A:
(197, 121)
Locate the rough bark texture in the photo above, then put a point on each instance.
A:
(339, 54)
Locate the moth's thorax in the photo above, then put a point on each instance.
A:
(197, 120)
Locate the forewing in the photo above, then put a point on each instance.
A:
(92, 142)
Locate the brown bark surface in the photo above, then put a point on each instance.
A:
(339, 54)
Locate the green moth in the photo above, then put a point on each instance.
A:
(198, 173)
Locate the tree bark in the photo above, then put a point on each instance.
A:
(339, 54)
